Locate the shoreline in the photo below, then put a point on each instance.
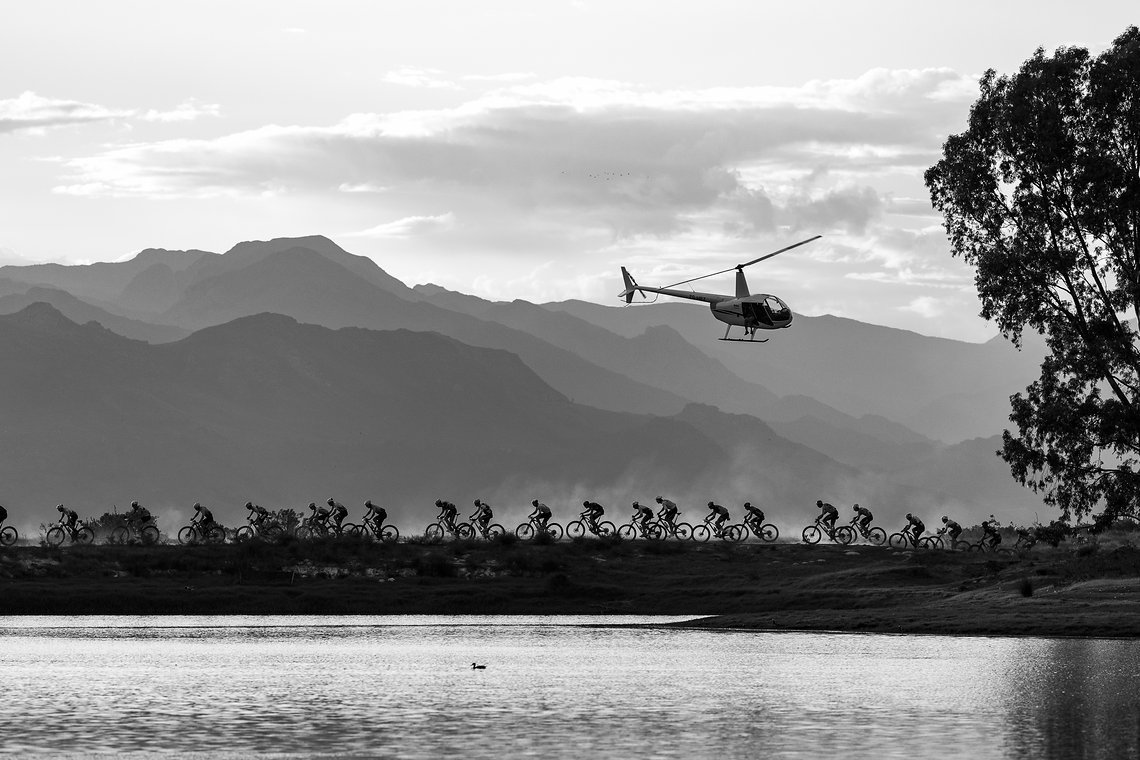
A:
(1090, 592)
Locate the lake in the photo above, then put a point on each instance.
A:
(579, 687)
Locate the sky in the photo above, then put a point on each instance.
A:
(519, 149)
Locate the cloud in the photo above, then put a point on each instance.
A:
(411, 226)
(186, 111)
(926, 306)
(32, 112)
(413, 77)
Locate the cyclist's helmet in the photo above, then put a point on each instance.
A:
(635, 504)
(819, 502)
(197, 507)
(439, 502)
(908, 515)
(747, 504)
(134, 505)
(60, 507)
(945, 518)
(478, 503)
(658, 499)
(711, 504)
(534, 502)
(249, 505)
(368, 503)
(586, 503)
(313, 506)
(331, 502)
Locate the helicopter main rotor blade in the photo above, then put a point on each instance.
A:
(750, 263)
(775, 253)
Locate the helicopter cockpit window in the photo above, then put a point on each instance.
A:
(754, 312)
(777, 308)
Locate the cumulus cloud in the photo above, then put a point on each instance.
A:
(186, 111)
(412, 77)
(30, 111)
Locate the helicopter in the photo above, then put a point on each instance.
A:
(752, 311)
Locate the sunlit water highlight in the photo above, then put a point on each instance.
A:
(553, 687)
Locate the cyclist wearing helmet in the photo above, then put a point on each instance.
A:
(753, 515)
(139, 515)
(916, 527)
(320, 515)
(990, 532)
(862, 519)
(828, 515)
(952, 528)
(717, 516)
(338, 512)
(482, 514)
(447, 513)
(375, 515)
(668, 512)
(593, 512)
(257, 514)
(642, 516)
(68, 517)
(203, 518)
(540, 513)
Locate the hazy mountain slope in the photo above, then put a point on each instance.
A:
(102, 281)
(82, 312)
(314, 289)
(857, 368)
(267, 409)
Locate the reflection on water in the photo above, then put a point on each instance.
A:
(404, 687)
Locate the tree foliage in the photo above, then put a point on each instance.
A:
(1041, 194)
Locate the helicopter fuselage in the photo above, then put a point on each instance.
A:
(760, 311)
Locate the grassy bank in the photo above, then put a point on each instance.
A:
(1092, 591)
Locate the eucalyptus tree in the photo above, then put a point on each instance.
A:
(1041, 195)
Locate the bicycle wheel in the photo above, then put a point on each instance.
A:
(898, 541)
(877, 536)
(216, 535)
(554, 530)
(683, 531)
(525, 532)
(119, 535)
(769, 532)
(149, 534)
(243, 534)
(734, 533)
(304, 532)
(812, 534)
(84, 536)
(434, 533)
(701, 533)
(975, 547)
(844, 535)
(187, 534)
(606, 529)
(495, 530)
(627, 532)
(465, 531)
(389, 534)
(576, 529)
(929, 542)
(351, 529)
(55, 536)
(8, 535)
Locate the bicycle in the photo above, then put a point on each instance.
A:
(679, 530)
(127, 532)
(634, 529)
(196, 533)
(814, 533)
(531, 528)
(79, 535)
(956, 544)
(436, 531)
(733, 533)
(264, 530)
(388, 534)
(985, 545)
(904, 539)
(470, 530)
(8, 535)
(311, 528)
(765, 532)
(875, 535)
(584, 524)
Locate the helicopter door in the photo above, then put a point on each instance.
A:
(754, 313)
(777, 310)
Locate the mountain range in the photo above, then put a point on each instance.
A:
(288, 369)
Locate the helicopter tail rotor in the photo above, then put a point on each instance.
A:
(630, 286)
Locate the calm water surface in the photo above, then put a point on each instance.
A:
(553, 687)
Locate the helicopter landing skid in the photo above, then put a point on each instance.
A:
(744, 340)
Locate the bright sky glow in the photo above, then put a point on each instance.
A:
(518, 149)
